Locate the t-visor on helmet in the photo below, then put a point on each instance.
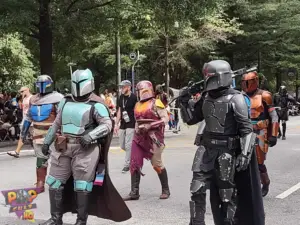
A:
(82, 83)
(44, 84)
(217, 74)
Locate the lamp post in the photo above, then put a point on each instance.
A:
(135, 57)
(71, 64)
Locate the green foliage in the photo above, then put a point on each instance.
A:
(264, 32)
(16, 68)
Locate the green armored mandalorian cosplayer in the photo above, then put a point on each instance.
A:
(79, 160)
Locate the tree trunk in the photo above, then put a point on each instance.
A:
(167, 65)
(297, 86)
(278, 79)
(259, 61)
(45, 39)
(118, 57)
(97, 79)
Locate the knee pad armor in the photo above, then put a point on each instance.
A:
(53, 182)
(198, 187)
(81, 185)
(157, 169)
(40, 162)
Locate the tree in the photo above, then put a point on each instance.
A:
(46, 20)
(270, 39)
(16, 68)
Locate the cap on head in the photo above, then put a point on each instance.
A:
(217, 74)
(44, 84)
(22, 89)
(144, 90)
(82, 83)
(250, 82)
(125, 83)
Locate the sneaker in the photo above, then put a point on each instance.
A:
(125, 169)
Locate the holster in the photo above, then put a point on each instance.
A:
(155, 139)
(262, 124)
(60, 143)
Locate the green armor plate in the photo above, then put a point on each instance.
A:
(75, 116)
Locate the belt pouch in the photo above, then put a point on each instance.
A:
(60, 143)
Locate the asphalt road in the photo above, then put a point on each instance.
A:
(283, 164)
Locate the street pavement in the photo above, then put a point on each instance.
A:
(283, 164)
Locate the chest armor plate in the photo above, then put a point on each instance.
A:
(257, 107)
(283, 102)
(215, 112)
(40, 113)
(144, 110)
(75, 118)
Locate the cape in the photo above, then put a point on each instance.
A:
(250, 209)
(105, 201)
(51, 98)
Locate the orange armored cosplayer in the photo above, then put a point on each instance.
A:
(265, 123)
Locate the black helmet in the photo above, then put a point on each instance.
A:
(44, 84)
(282, 90)
(217, 74)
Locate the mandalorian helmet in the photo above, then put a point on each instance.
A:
(217, 74)
(250, 82)
(44, 84)
(282, 90)
(144, 90)
(82, 83)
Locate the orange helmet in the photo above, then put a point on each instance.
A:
(144, 90)
(250, 82)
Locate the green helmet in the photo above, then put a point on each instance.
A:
(82, 83)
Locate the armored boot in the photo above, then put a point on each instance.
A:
(135, 186)
(56, 206)
(265, 183)
(279, 132)
(163, 177)
(283, 131)
(197, 209)
(41, 176)
(82, 199)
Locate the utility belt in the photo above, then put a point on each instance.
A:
(41, 127)
(260, 124)
(61, 141)
(38, 137)
(227, 142)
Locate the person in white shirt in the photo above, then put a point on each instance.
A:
(26, 95)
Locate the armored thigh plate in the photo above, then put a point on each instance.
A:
(226, 194)
(198, 159)
(75, 118)
(226, 167)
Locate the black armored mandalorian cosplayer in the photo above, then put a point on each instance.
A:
(224, 162)
(281, 100)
